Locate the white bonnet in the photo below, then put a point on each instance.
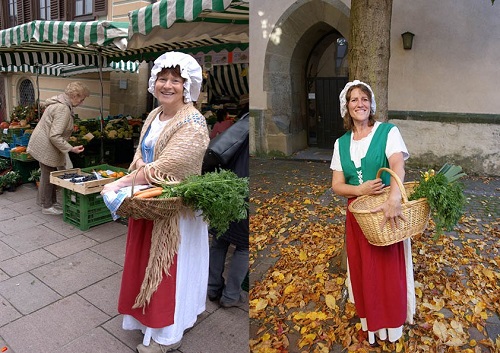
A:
(343, 94)
(190, 71)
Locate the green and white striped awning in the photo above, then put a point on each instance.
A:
(165, 13)
(228, 81)
(65, 70)
(180, 24)
(62, 42)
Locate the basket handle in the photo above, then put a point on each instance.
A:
(135, 172)
(398, 181)
(133, 180)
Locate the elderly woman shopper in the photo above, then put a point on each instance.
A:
(49, 142)
(171, 147)
(380, 277)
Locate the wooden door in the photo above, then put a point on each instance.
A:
(328, 119)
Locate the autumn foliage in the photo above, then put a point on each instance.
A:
(299, 304)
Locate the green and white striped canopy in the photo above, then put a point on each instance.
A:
(179, 24)
(62, 42)
(165, 13)
(65, 70)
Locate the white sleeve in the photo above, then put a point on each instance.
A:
(336, 165)
(395, 144)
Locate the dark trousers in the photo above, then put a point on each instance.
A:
(46, 191)
(230, 288)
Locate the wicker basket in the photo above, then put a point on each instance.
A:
(415, 212)
(150, 208)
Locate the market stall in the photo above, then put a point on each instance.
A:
(214, 32)
(64, 48)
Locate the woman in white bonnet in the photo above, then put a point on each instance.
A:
(380, 278)
(172, 144)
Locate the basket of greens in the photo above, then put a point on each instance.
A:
(221, 196)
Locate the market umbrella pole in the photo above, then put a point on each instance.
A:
(38, 69)
(99, 50)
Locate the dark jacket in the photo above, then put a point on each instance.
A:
(238, 232)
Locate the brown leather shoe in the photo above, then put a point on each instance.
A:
(157, 348)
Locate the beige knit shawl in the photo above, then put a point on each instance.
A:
(178, 153)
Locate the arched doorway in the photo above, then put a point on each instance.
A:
(327, 74)
(303, 78)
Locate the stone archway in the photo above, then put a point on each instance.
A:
(300, 28)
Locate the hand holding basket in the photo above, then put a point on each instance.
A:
(416, 214)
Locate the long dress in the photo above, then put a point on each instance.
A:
(181, 296)
(380, 279)
(187, 292)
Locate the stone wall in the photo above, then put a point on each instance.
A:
(474, 146)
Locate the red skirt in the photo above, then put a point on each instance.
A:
(378, 278)
(160, 310)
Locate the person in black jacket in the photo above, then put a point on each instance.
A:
(228, 291)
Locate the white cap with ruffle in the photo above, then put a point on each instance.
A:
(343, 94)
(190, 71)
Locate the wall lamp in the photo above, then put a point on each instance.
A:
(407, 40)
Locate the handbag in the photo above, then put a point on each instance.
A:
(224, 146)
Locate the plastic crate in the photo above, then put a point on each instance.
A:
(84, 211)
(5, 152)
(83, 160)
(104, 167)
(24, 168)
(108, 149)
(8, 134)
(21, 156)
(21, 140)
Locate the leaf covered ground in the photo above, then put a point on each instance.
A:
(298, 300)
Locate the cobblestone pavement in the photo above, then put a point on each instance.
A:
(277, 176)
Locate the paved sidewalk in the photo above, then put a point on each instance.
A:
(59, 288)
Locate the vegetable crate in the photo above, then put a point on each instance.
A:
(5, 152)
(21, 156)
(84, 211)
(94, 148)
(9, 134)
(83, 160)
(21, 140)
(103, 167)
(86, 188)
(24, 168)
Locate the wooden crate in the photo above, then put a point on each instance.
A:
(88, 187)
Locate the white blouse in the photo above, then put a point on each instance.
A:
(359, 148)
(155, 130)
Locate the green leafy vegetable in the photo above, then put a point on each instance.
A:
(221, 196)
(444, 194)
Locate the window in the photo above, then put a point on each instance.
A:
(16, 12)
(12, 13)
(83, 7)
(45, 9)
(26, 93)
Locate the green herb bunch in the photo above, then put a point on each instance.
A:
(444, 194)
(222, 197)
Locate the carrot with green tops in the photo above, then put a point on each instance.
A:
(156, 191)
